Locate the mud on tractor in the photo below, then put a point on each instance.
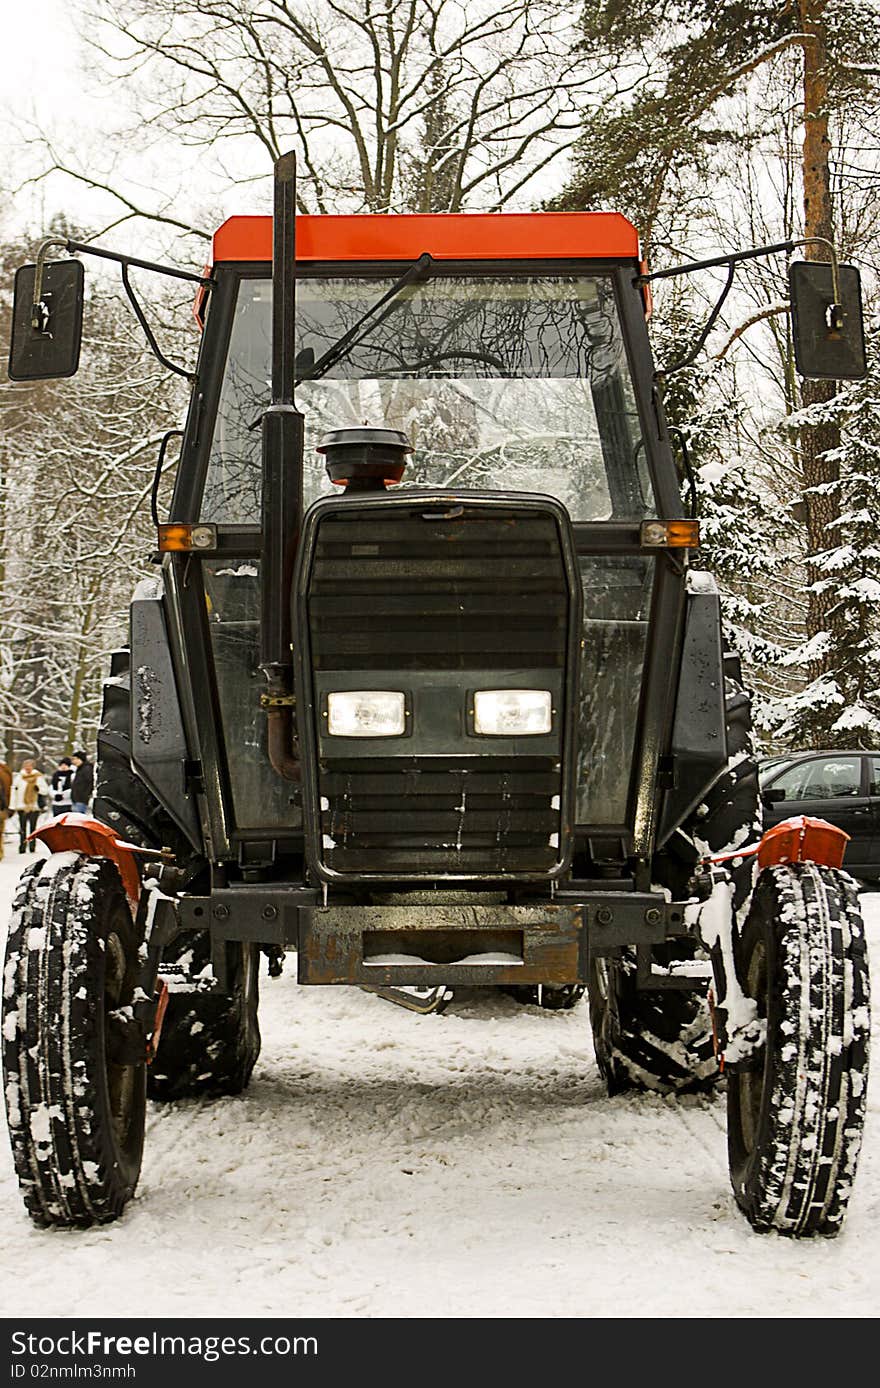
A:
(428, 689)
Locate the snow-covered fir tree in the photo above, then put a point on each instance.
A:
(839, 703)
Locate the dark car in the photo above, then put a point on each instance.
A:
(842, 787)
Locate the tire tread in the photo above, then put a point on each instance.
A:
(799, 1178)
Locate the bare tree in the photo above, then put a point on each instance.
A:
(436, 105)
(76, 466)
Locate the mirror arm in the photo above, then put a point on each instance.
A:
(78, 248)
(148, 333)
(834, 313)
(701, 340)
(716, 260)
(39, 312)
(753, 254)
(37, 308)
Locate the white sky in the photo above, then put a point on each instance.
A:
(48, 78)
(46, 82)
(38, 54)
(41, 82)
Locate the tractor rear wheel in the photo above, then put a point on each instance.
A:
(210, 1041)
(653, 1039)
(648, 1039)
(75, 1113)
(795, 1111)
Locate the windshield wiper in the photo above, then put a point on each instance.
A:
(419, 270)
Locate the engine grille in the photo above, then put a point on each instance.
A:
(444, 816)
(399, 598)
(408, 593)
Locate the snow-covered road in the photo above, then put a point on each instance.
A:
(385, 1164)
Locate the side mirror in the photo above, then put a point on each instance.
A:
(47, 328)
(829, 336)
(773, 797)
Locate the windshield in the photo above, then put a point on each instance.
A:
(516, 384)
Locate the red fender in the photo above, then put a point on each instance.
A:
(78, 833)
(801, 840)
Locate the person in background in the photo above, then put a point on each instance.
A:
(62, 781)
(5, 796)
(83, 783)
(30, 795)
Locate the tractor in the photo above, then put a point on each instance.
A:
(429, 686)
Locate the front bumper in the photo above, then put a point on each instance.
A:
(422, 943)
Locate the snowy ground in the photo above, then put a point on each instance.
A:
(385, 1164)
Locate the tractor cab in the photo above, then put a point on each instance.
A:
(504, 363)
(514, 363)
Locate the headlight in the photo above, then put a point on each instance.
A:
(513, 712)
(366, 713)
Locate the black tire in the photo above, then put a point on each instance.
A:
(648, 1039)
(553, 997)
(795, 1114)
(122, 801)
(76, 1118)
(210, 1041)
(662, 1040)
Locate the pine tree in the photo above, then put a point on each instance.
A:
(654, 154)
(840, 705)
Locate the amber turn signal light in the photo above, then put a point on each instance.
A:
(185, 538)
(672, 534)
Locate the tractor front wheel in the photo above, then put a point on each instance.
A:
(75, 1113)
(795, 1111)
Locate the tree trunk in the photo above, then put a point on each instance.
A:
(817, 440)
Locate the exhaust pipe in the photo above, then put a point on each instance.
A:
(282, 461)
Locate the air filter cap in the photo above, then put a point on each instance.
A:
(365, 459)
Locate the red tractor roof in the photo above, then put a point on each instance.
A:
(446, 236)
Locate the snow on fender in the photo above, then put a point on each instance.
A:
(76, 833)
(803, 840)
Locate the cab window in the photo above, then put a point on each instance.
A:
(518, 383)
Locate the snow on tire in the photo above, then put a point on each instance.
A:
(75, 1116)
(795, 1114)
(662, 1040)
(647, 1039)
(210, 1041)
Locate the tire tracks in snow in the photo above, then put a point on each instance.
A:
(717, 1156)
